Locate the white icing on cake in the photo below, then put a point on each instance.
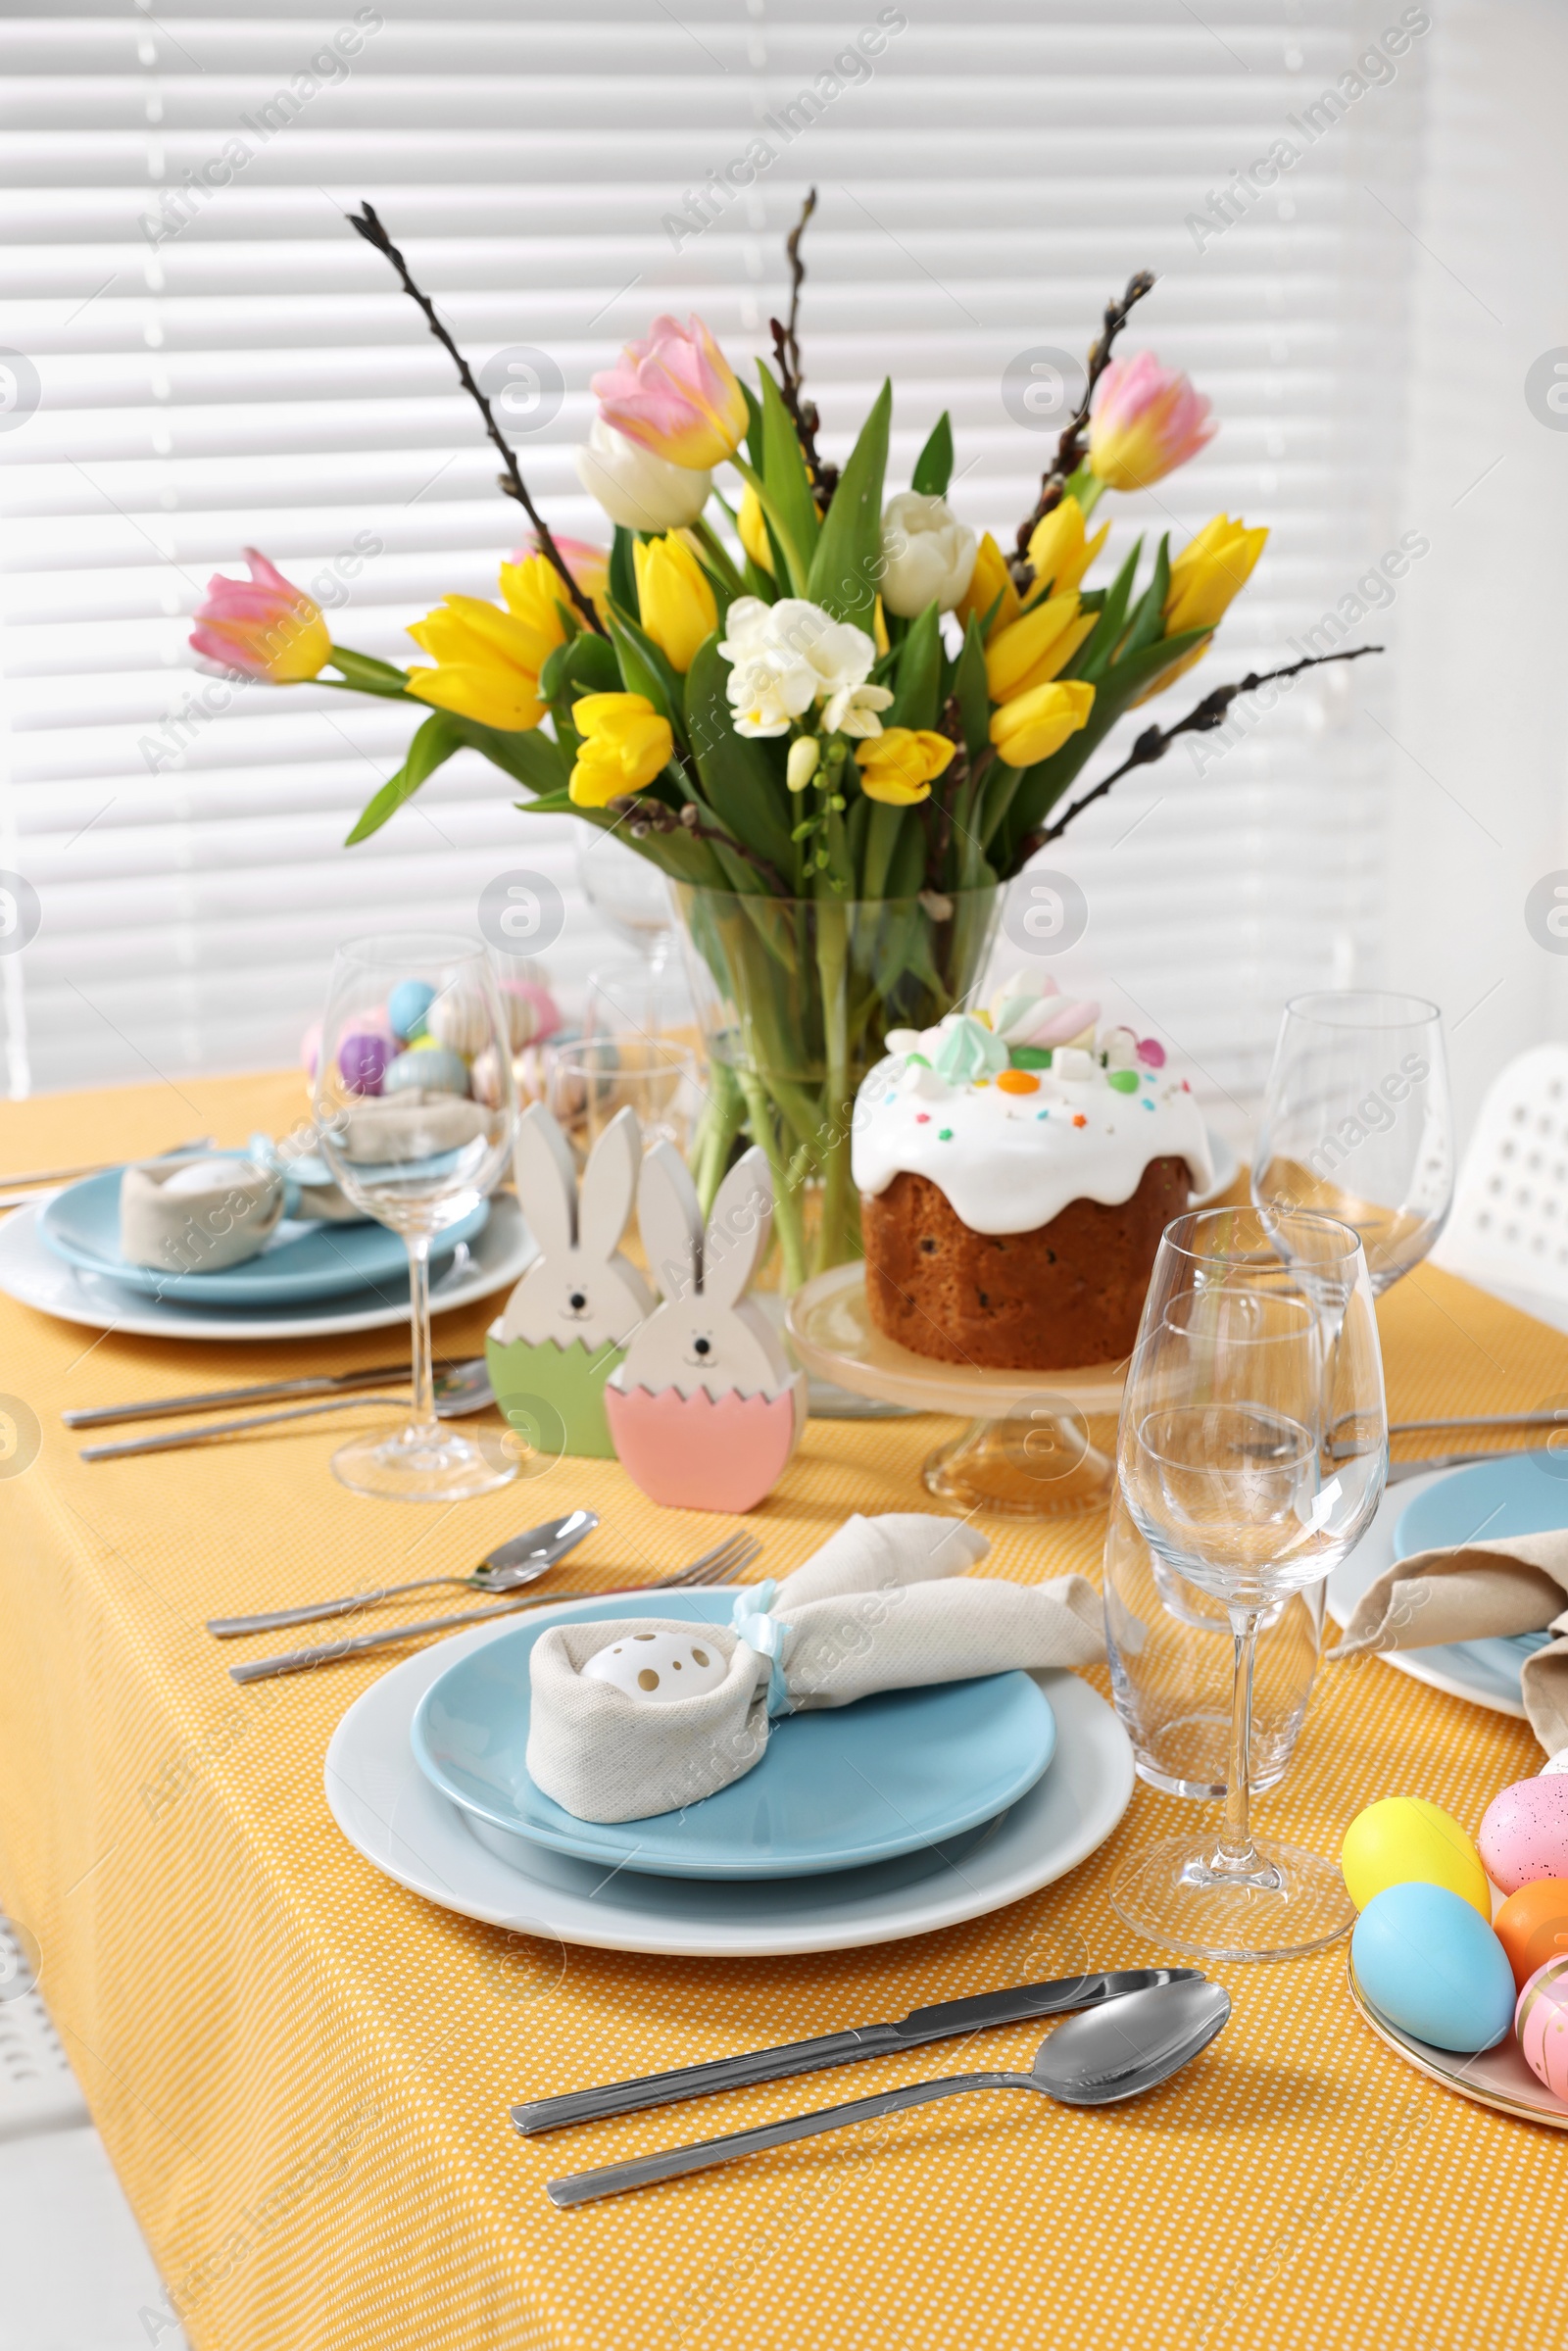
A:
(951, 1105)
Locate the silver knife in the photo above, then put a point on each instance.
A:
(1401, 1471)
(947, 2021)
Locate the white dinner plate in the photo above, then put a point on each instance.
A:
(31, 1271)
(389, 1812)
(1462, 1669)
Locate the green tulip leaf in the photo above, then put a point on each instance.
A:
(743, 778)
(1093, 659)
(933, 467)
(433, 745)
(974, 696)
(623, 573)
(915, 701)
(847, 562)
(645, 670)
(1149, 613)
(586, 664)
(784, 474)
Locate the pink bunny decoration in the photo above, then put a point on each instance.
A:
(705, 1409)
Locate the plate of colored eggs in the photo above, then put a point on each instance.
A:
(1459, 1952)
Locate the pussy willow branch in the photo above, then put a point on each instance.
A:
(1070, 448)
(370, 229)
(645, 816)
(1201, 720)
(787, 352)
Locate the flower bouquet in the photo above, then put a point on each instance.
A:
(835, 718)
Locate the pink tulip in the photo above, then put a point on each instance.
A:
(675, 394)
(263, 626)
(1146, 421)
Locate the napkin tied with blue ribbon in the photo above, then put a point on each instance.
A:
(887, 1603)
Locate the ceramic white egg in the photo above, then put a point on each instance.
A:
(656, 1668)
(1557, 1764)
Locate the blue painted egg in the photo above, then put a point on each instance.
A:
(1429, 1962)
(432, 1066)
(407, 1005)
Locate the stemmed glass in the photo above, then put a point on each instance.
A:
(418, 1159)
(1357, 1122)
(1251, 1454)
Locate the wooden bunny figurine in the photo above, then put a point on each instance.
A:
(566, 1326)
(704, 1409)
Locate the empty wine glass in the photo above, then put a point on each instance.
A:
(417, 1156)
(628, 890)
(1251, 1454)
(1357, 1122)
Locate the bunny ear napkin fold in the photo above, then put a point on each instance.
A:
(882, 1605)
(1478, 1592)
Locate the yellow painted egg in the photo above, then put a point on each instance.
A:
(1406, 1839)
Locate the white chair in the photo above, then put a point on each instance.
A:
(1508, 1232)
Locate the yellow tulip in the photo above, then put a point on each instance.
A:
(1210, 571)
(989, 579)
(1037, 648)
(1058, 549)
(488, 661)
(624, 745)
(1032, 725)
(879, 628)
(677, 604)
(900, 765)
(753, 532)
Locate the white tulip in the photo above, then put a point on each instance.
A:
(928, 552)
(635, 488)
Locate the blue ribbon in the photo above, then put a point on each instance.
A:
(751, 1623)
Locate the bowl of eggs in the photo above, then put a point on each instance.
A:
(1459, 1952)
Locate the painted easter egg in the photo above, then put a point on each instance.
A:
(362, 1062)
(532, 1013)
(407, 1005)
(1533, 1926)
(1432, 1967)
(1540, 2024)
(1406, 1837)
(657, 1668)
(430, 1066)
(459, 1018)
(1524, 1833)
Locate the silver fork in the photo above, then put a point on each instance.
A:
(720, 1565)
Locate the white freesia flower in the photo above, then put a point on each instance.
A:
(788, 654)
(635, 488)
(767, 691)
(853, 709)
(928, 552)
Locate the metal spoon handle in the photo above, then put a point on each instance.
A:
(299, 1661)
(227, 1627)
(173, 1440)
(611, 2179)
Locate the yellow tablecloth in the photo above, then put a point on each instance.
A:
(303, 2073)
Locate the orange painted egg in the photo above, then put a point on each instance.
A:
(1018, 1080)
(1533, 1926)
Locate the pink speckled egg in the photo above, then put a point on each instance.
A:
(1524, 1834)
(1540, 2024)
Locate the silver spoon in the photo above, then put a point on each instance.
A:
(464, 1388)
(508, 1568)
(1130, 2045)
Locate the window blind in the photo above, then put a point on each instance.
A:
(199, 355)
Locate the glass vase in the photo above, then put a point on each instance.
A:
(794, 998)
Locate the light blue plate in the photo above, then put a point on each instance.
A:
(1522, 1494)
(837, 1788)
(299, 1261)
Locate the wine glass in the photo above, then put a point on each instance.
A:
(1357, 1122)
(418, 1158)
(628, 890)
(1252, 1454)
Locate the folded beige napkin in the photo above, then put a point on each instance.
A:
(882, 1605)
(1477, 1593)
(197, 1215)
(416, 1124)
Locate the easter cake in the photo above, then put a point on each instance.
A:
(1016, 1168)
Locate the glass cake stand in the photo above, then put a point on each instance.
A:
(1039, 1445)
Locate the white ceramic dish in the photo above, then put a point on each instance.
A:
(1498, 2078)
(390, 1813)
(1463, 1670)
(32, 1272)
